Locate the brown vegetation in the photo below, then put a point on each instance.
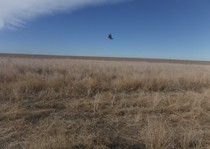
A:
(63, 103)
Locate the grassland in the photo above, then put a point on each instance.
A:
(64, 103)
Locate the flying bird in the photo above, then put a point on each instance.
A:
(110, 37)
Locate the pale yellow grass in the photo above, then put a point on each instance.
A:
(51, 103)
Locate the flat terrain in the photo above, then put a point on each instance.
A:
(116, 103)
(105, 58)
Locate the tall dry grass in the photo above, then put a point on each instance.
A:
(55, 103)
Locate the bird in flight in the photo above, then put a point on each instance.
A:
(110, 37)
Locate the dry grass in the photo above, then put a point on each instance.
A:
(55, 103)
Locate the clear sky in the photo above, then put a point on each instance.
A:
(169, 29)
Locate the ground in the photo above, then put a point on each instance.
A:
(84, 103)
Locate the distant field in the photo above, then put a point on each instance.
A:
(105, 58)
(84, 103)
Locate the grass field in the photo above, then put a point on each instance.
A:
(69, 103)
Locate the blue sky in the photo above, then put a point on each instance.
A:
(169, 29)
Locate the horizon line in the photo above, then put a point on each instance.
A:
(106, 58)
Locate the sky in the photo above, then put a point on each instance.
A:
(165, 29)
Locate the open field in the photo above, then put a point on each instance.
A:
(70, 103)
(6, 55)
